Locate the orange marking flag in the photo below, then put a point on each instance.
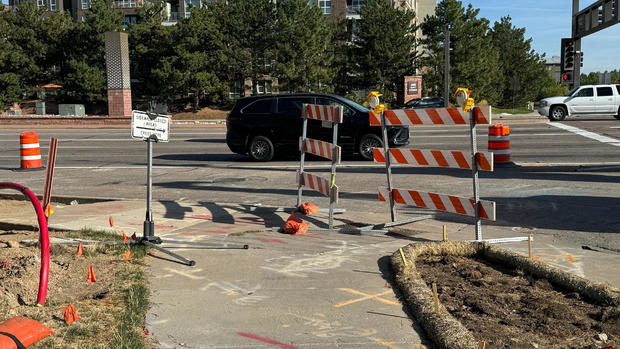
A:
(111, 221)
(91, 274)
(124, 237)
(80, 249)
(127, 255)
(70, 314)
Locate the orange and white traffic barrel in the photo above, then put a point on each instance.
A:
(30, 150)
(499, 143)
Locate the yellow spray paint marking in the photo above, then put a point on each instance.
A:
(570, 258)
(187, 275)
(365, 297)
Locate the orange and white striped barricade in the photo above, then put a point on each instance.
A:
(440, 202)
(435, 158)
(330, 116)
(30, 151)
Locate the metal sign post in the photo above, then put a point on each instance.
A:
(388, 168)
(474, 172)
(154, 128)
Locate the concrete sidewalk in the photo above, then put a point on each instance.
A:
(320, 290)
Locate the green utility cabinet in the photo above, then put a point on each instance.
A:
(71, 109)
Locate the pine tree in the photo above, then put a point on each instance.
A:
(384, 47)
(248, 29)
(304, 50)
(523, 70)
(85, 73)
(474, 62)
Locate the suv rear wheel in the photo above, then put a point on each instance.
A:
(557, 113)
(367, 143)
(260, 149)
(617, 116)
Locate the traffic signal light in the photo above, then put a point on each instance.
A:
(567, 77)
(581, 59)
(568, 53)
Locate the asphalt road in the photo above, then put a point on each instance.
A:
(567, 184)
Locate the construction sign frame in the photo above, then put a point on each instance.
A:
(474, 160)
(331, 116)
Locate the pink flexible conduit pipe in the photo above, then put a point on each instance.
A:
(44, 238)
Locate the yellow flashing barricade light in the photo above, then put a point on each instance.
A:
(373, 101)
(463, 100)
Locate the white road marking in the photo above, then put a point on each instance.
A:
(588, 134)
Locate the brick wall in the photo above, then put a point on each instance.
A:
(119, 102)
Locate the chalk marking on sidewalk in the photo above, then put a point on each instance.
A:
(375, 297)
(587, 134)
(187, 275)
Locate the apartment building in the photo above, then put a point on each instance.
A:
(48, 5)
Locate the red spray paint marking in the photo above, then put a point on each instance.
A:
(267, 340)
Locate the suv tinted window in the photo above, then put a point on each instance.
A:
(586, 92)
(604, 91)
(259, 107)
(292, 105)
(326, 101)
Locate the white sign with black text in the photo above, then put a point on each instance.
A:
(143, 126)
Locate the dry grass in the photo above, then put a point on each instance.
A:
(202, 114)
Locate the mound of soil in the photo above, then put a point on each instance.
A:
(510, 310)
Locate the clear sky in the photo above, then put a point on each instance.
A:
(547, 21)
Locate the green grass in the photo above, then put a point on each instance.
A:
(128, 331)
(91, 234)
(511, 111)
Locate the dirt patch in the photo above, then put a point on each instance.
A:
(506, 308)
(202, 114)
(101, 306)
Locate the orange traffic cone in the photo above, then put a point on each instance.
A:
(124, 237)
(127, 255)
(70, 314)
(80, 249)
(91, 274)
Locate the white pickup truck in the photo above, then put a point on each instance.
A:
(583, 100)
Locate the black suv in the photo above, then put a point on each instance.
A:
(425, 102)
(262, 126)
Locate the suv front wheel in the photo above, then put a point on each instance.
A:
(557, 113)
(366, 145)
(260, 149)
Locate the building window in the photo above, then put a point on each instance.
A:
(53, 5)
(189, 5)
(310, 3)
(127, 20)
(83, 19)
(85, 5)
(326, 6)
(235, 89)
(40, 3)
(263, 87)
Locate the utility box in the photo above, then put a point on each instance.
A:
(71, 109)
(39, 108)
(14, 112)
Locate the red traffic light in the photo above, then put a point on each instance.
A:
(566, 77)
